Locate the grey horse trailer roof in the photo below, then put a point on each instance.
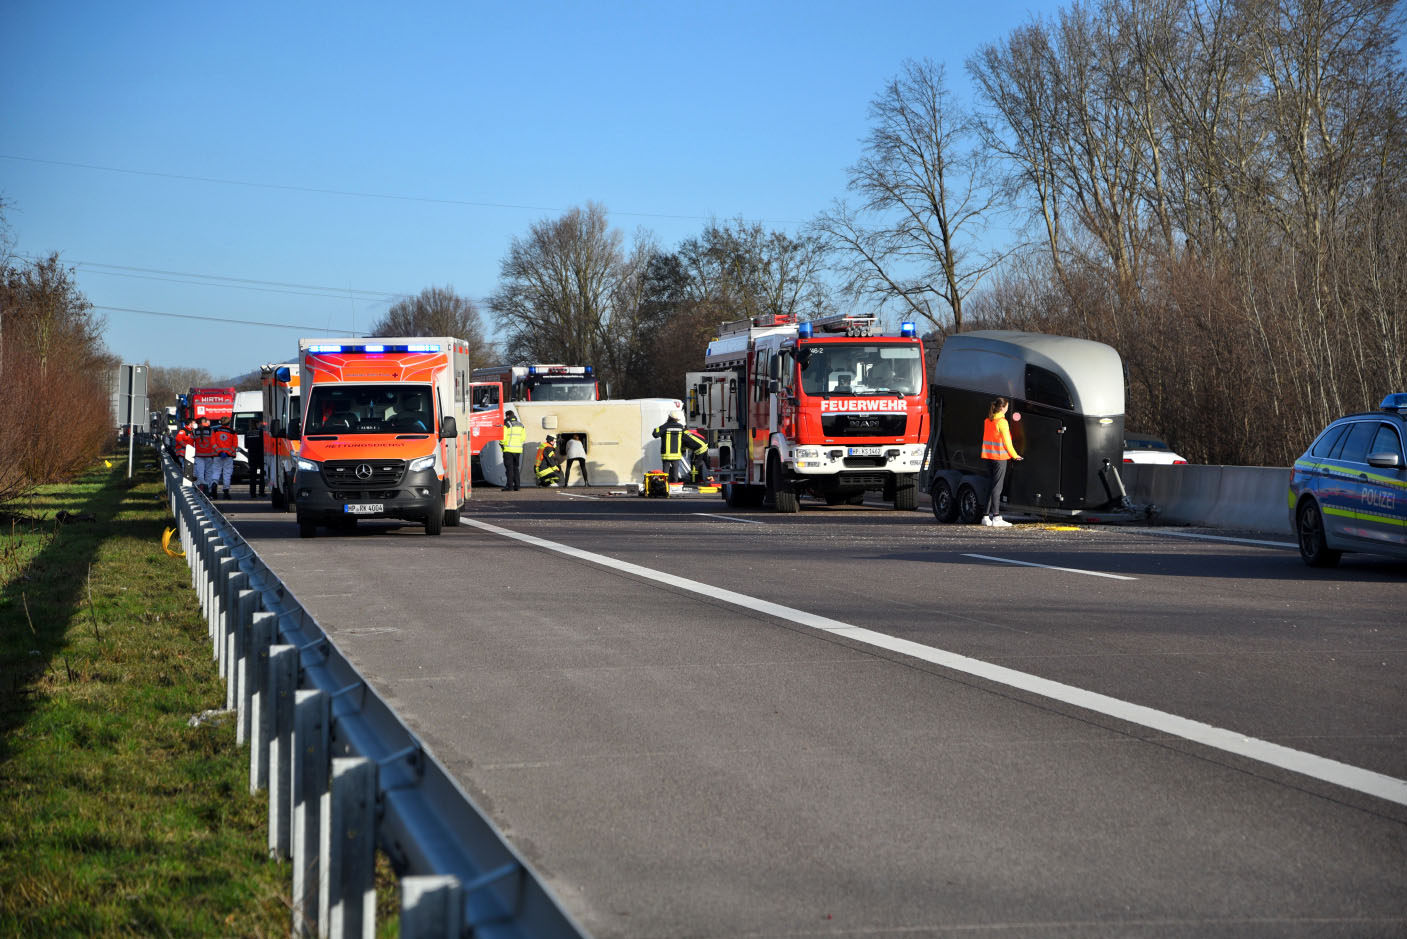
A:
(994, 362)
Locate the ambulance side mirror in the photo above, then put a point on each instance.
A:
(448, 428)
(276, 428)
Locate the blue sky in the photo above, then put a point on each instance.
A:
(298, 165)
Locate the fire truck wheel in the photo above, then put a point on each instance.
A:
(906, 492)
(945, 507)
(783, 498)
(434, 523)
(969, 506)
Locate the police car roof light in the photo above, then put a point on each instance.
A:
(1395, 402)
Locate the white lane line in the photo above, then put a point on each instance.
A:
(1187, 534)
(1049, 567)
(1273, 754)
(573, 495)
(731, 518)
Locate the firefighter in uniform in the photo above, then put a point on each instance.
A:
(698, 455)
(225, 442)
(545, 463)
(671, 438)
(204, 453)
(514, 434)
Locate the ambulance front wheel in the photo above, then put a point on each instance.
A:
(434, 522)
(307, 528)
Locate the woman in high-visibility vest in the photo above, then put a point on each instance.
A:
(997, 450)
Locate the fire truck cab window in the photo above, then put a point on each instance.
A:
(1045, 387)
(486, 398)
(861, 369)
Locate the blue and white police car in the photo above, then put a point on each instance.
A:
(1348, 492)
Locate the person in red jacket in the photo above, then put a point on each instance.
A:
(184, 439)
(224, 442)
(997, 450)
(204, 453)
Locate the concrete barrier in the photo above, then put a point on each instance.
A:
(1245, 498)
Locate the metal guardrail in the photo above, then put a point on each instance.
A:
(339, 764)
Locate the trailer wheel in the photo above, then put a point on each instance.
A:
(969, 506)
(945, 506)
(784, 499)
(906, 492)
(434, 523)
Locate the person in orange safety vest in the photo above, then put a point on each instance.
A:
(997, 450)
(225, 442)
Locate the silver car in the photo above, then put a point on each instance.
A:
(1348, 492)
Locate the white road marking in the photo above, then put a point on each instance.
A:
(573, 495)
(1188, 534)
(1273, 754)
(731, 518)
(1049, 567)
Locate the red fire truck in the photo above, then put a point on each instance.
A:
(825, 408)
(214, 403)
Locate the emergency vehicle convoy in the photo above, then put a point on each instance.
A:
(282, 419)
(823, 408)
(380, 434)
(1066, 420)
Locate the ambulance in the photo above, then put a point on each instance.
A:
(282, 414)
(380, 432)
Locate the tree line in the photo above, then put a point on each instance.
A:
(55, 374)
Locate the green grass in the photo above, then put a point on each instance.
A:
(116, 816)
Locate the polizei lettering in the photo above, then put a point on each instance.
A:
(870, 405)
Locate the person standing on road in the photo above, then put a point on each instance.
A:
(225, 442)
(576, 455)
(514, 436)
(185, 451)
(997, 450)
(204, 453)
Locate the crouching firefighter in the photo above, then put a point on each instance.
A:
(698, 455)
(545, 464)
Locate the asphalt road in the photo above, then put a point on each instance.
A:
(931, 730)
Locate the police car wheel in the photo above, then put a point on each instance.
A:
(1313, 546)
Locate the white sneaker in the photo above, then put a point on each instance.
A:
(987, 520)
(999, 522)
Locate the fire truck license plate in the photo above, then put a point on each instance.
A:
(365, 508)
(864, 451)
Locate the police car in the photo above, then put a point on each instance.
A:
(1348, 492)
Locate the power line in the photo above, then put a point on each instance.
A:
(351, 192)
(314, 330)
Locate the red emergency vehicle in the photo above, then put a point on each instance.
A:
(380, 432)
(825, 408)
(214, 403)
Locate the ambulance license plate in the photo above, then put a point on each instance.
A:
(864, 451)
(365, 508)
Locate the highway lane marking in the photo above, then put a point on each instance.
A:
(1185, 534)
(731, 518)
(1218, 738)
(573, 495)
(1050, 567)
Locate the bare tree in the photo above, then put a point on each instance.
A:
(745, 270)
(164, 383)
(437, 311)
(923, 199)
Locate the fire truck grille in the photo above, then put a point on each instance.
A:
(362, 475)
(863, 425)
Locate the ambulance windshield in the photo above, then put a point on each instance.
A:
(845, 368)
(370, 409)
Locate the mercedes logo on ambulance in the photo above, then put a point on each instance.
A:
(363, 471)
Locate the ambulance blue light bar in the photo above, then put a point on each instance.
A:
(374, 348)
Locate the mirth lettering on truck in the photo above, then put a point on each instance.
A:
(380, 432)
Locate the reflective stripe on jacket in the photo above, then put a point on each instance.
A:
(996, 440)
(671, 440)
(223, 441)
(514, 436)
(204, 441)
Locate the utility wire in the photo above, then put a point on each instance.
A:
(350, 192)
(315, 330)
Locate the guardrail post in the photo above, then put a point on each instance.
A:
(246, 602)
(347, 852)
(431, 907)
(283, 682)
(235, 580)
(311, 762)
(262, 629)
(225, 565)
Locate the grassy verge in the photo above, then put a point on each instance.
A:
(116, 816)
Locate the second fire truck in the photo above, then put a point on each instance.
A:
(825, 408)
